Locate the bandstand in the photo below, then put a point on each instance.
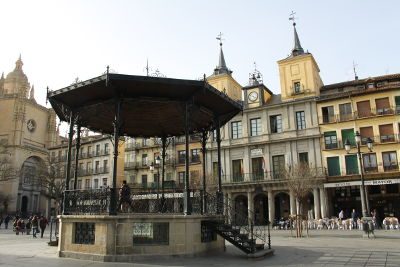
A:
(189, 223)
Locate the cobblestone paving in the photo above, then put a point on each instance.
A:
(321, 248)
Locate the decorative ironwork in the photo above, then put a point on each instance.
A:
(84, 233)
(93, 201)
(149, 233)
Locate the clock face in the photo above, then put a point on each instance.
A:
(253, 96)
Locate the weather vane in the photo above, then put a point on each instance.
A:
(292, 17)
(219, 38)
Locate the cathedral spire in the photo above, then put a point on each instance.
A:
(19, 63)
(297, 49)
(221, 68)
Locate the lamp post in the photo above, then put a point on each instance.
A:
(347, 146)
(158, 160)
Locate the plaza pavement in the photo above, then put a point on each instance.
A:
(321, 248)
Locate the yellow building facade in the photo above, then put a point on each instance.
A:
(370, 107)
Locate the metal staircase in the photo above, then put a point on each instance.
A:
(239, 228)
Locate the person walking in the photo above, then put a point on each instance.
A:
(6, 221)
(42, 223)
(35, 226)
(341, 215)
(354, 219)
(28, 226)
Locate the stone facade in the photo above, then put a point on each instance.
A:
(27, 129)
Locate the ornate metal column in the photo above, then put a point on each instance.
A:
(77, 147)
(117, 125)
(70, 137)
(203, 150)
(220, 195)
(187, 205)
(163, 153)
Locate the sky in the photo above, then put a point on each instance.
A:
(63, 40)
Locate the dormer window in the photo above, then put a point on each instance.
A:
(296, 87)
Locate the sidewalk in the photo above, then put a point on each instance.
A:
(322, 248)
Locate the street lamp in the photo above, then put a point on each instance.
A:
(347, 146)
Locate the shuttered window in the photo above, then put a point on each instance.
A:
(397, 101)
(363, 109)
(330, 140)
(348, 134)
(333, 166)
(366, 132)
(386, 133)
(382, 106)
(351, 164)
(345, 112)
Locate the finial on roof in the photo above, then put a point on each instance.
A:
(19, 63)
(354, 70)
(297, 49)
(32, 93)
(221, 68)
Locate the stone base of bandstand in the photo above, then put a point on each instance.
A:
(116, 238)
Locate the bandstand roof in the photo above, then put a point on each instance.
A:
(151, 106)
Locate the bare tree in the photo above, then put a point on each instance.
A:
(50, 177)
(301, 179)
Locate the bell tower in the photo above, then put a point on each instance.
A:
(299, 72)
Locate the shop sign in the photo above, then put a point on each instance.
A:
(256, 152)
(370, 182)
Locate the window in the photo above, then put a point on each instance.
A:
(97, 150)
(397, 101)
(89, 151)
(105, 182)
(195, 155)
(97, 166)
(328, 114)
(348, 134)
(330, 139)
(169, 176)
(96, 183)
(351, 164)
(87, 183)
(257, 168)
(105, 165)
(144, 160)
(333, 166)
(236, 129)
(181, 178)
(386, 133)
(365, 133)
(276, 123)
(278, 166)
(303, 157)
(237, 170)
(369, 162)
(194, 178)
(144, 181)
(181, 156)
(79, 185)
(390, 161)
(300, 120)
(345, 112)
(255, 127)
(80, 166)
(296, 86)
(383, 106)
(106, 151)
(363, 109)
(89, 167)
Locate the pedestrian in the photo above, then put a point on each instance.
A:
(6, 221)
(354, 219)
(124, 197)
(341, 215)
(43, 222)
(35, 226)
(28, 226)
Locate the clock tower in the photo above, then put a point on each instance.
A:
(256, 93)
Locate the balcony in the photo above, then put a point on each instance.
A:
(391, 168)
(387, 138)
(384, 111)
(101, 170)
(370, 169)
(129, 165)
